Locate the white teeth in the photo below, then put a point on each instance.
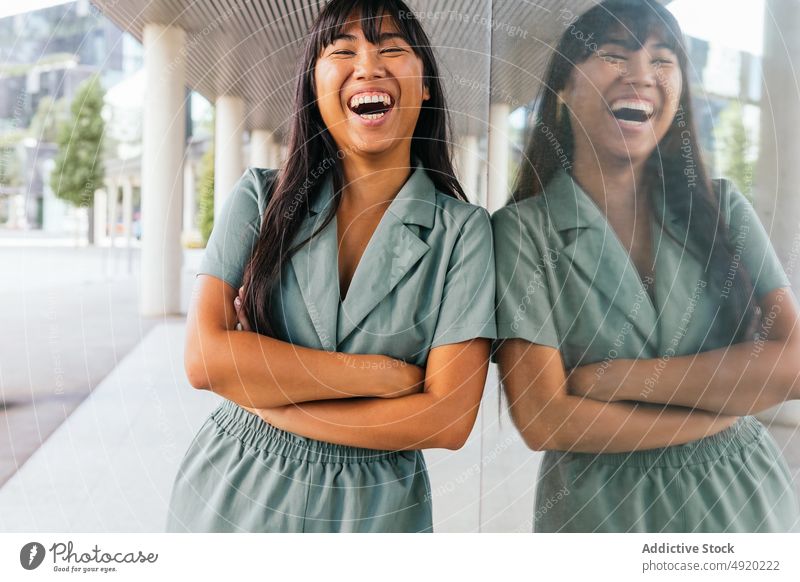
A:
(645, 106)
(361, 99)
(629, 122)
(372, 115)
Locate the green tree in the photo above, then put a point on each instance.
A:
(48, 119)
(11, 170)
(733, 146)
(205, 214)
(79, 170)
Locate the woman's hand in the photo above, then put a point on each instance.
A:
(269, 415)
(241, 316)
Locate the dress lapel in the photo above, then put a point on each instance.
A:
(597, 255)
(393, 250)
(681, 283)
(316, 268)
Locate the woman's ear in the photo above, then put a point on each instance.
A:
(426, 93)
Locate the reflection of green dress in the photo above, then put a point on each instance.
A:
(564, 280)
(424, 280)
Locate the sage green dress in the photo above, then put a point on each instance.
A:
(564, 280)
(426, 279)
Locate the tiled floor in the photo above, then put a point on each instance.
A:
(110, 465)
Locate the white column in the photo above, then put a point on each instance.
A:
(188, 200)
(228, 158)
(261, 147)
(100, 216)
(163, 144)
(127, 208)
(499, 156)
(112, 190)
(276, 150)
(469, 168)
(778, 170)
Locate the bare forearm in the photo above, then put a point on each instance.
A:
(418, 421)
(579, 424)
(548, 417)
(741, 379)
(262, 372)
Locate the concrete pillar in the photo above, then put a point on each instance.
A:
(228, 158)
(261, 148)
(188, 200)
(163, 145)
(127, 208)
(127, 220)
(100, 218)
(778, 170)
(112, 190)
(469, 167)
(499, 156)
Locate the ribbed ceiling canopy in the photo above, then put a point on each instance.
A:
(249, 48)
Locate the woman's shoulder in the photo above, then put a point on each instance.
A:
(254, 187)
(731, 200)
(529, 213)
(455, 213)
(259, 178)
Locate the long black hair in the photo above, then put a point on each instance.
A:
(311, 146)
(682, 180)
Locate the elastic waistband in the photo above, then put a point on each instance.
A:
(253, 431)
(745, 432)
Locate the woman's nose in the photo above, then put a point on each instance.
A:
(369, 65)
(638, 69)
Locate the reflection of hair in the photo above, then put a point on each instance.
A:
(312, 149)
(684, 180)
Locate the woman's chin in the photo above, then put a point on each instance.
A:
(632, 153)
(370, 144)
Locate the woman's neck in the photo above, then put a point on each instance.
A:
(614, 186)
(372, 182)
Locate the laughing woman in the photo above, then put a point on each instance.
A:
(629, 289)
(368, 299)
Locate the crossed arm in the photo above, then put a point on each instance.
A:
(441, 416)
(547, 417)
(368, 401)
(262, 372)
(740, 379)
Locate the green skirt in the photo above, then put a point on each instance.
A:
(733, 481)
(241, 474)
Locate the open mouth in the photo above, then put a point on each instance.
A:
(632, 111)
(371, 105)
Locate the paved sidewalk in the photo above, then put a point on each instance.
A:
(109, 466)
(68, 317)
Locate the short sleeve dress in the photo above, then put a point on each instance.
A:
(565, 281)
(425, 279)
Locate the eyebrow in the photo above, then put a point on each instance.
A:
(633, 45)
(383, 37)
